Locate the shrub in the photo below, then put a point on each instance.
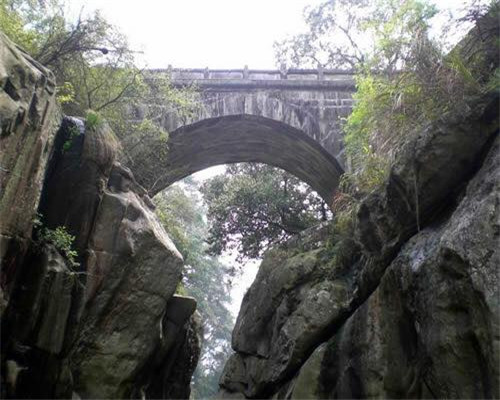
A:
(59, 237)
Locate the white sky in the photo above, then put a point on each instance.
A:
(203, 33)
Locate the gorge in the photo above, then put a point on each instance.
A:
(407, 306)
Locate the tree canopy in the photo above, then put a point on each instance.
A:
(253, 206)
(96, 69)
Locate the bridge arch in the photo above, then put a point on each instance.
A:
(289, 119)
(248, 138)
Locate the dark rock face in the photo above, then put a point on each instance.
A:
(86, 330)
(415, 314)
(430, 328)
(37, 324)
(27, 129)
(170, 377)
(76, 178)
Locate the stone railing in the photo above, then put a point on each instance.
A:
(293, 78)
(256, 74)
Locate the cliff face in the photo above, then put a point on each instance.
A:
(412, 311)
(104, 323)
(428, 330)
(27, 129)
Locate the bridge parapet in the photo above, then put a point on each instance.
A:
(319, 78)
(290, 119)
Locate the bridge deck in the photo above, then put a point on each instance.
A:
(293, 79)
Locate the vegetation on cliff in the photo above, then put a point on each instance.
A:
(406, 75)
(96, 69)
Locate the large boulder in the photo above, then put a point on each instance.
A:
(133, 269)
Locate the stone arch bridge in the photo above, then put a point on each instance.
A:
(289, 119)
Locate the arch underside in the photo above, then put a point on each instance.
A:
(249, 138)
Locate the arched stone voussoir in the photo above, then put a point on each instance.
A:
(248, 138)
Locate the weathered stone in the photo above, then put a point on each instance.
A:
(42, 293)
(307, 385)
(129, 268)
(133, 269)
(279, 328)
(294, 124)
(179, 381)
(431, 327)
(171, 379)
(28, 122)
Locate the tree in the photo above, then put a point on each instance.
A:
(205, 278)
(405, 76)
(96, 69)
(254, 206)
(334, 37)
(92, 61)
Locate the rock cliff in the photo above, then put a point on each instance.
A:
(412, 309)
(103, 323)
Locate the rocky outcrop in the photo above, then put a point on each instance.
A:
(37, 324)
(430, 329)
(170, 377)
(303, 296)
(27, 129)
(84, 326)
(132, 271)
(289, 311)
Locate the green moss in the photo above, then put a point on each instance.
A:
(73, 132)
(92, 120)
